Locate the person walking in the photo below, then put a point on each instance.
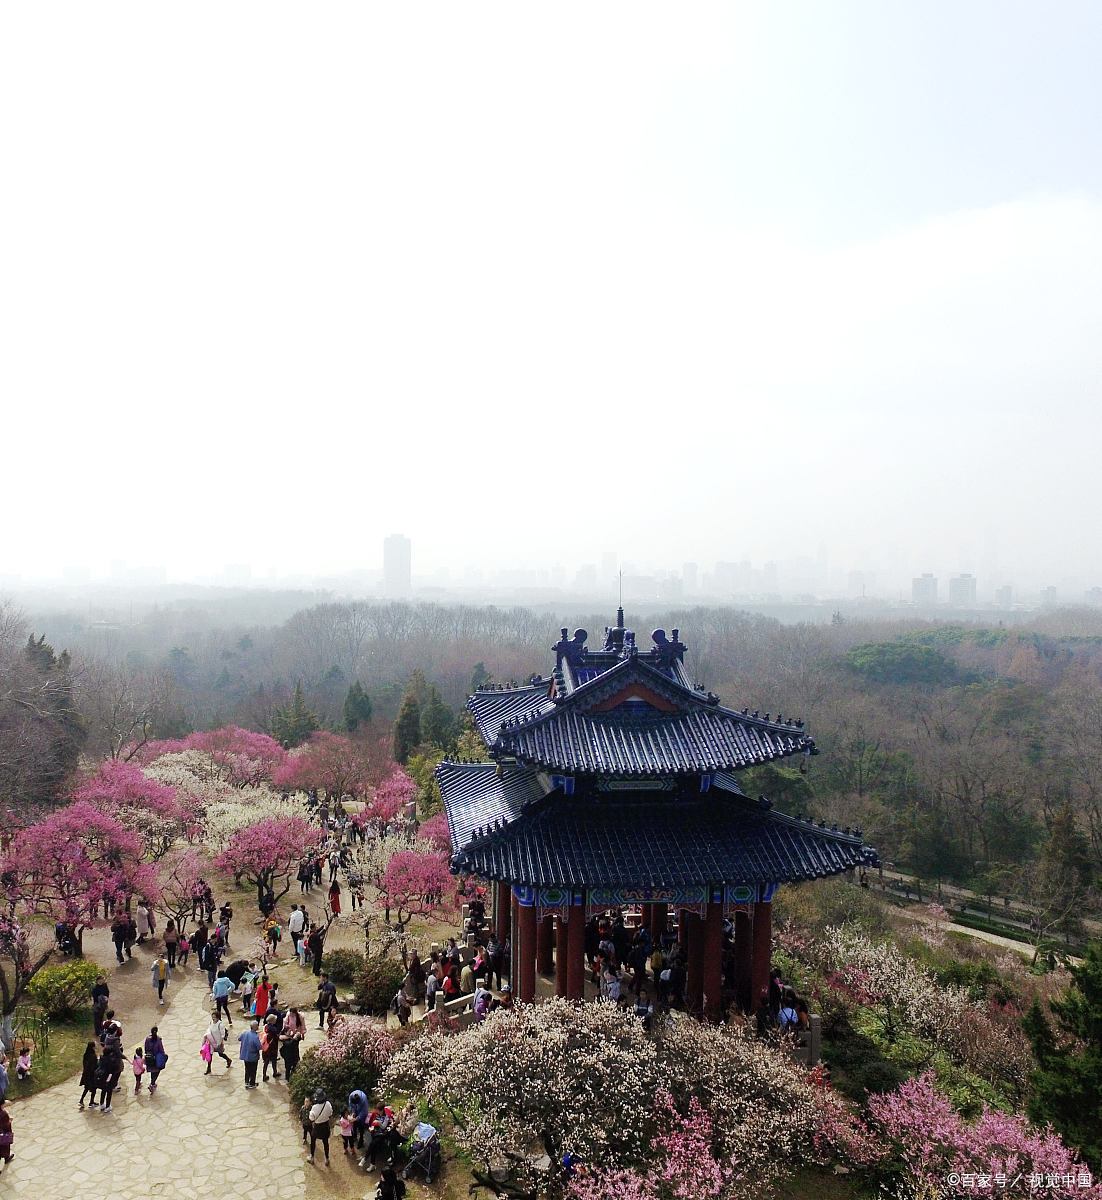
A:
(198, 940)
(295, 923)
(138, 1065)
(156, 1058)
(109, 1072)
(159, 975)
(315, 944)
(6, 1134)
(249, 1052)
(88, 1073)
(269, 1046)
(216, 1038)
(141, 919)
(335, 898)
(263, 998)
(221, 990)
(290, 1040)
(119, 926)
(172, 940)
(327, 998)
(321, 1114)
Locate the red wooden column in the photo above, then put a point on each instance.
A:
(713, 962)
(524, 984)
(743, 947)
(503, 895)
(682, 929)
(762, 951)
(545, 945)
(562, 957)
(575, 953)
(657, 922)
(694, 981)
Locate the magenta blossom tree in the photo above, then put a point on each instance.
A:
(932, 1142)
(391, 796)
(329, 763)
(140, 804)
(436, 831)
(74, 860)
(243, 757)
(414, 885)
(116, 785)
(268, 853)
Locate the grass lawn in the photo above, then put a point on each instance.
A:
(67, 1042)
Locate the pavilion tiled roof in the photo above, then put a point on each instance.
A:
(482, 796)
(571, 731)
(490, 707)
(704, 739)
(652, 842)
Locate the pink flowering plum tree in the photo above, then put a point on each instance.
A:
(242, 757)
(73, 861)
(930, 1142)
(268, 853)
(328, 764)
(246, 758)
(414, 885)
(147, 807)
(435, 830)
(391, 796)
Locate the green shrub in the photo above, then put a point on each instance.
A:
(62, 989)
(342, 966)
(377, 981)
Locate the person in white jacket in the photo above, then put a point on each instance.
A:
(216, 1035)
(321, 1114)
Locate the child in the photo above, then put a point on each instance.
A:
(139, 1069)
(304, 1117)
(346, 1130)
(23, 1063)
(183, 949)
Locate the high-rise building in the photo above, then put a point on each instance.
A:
(1093, 596)
(924, 590)
(689, 577)
(1049, 597)
(1004, 596)
(397, 552)
(962, 591)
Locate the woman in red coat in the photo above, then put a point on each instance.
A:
(335, 898)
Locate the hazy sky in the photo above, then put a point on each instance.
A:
(529, 282)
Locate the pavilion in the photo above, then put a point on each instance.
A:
(615, 783)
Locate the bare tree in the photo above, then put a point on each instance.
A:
(121, 706)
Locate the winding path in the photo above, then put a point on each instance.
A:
(198, 1137)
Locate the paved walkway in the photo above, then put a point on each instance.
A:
(198, 1137)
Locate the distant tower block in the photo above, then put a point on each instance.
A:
(397, 553)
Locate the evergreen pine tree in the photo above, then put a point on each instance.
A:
(407, 729)
(1066, 1088)
(357, 707)
(293, 724)
(479, 676)
(437, 722)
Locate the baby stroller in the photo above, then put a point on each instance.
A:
(424, 1152)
